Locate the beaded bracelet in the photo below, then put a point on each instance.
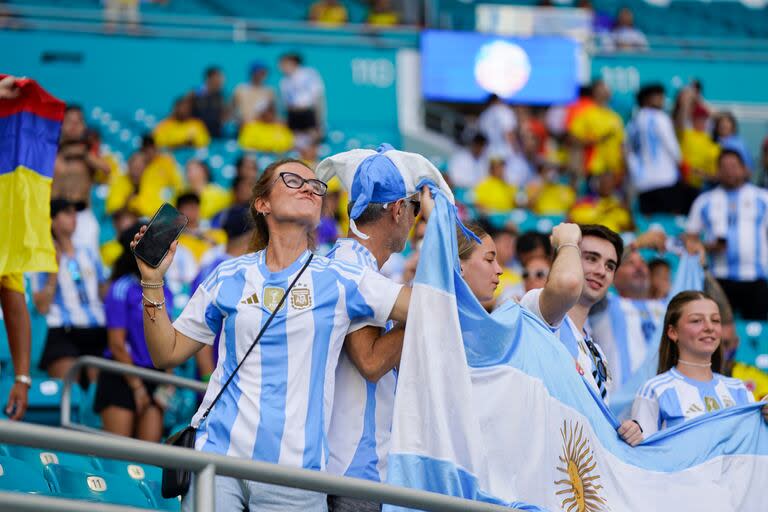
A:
(145, 284)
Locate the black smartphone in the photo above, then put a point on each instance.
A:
(165, 227)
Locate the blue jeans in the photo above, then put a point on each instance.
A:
(233, 495)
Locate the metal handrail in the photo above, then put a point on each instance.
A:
(208, 465)
(115, 367)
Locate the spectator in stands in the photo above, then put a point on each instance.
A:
(654, 155)
(71, 299)
(479, 266)
(209, 104)
(586, 258)
(195, 237)
(725, 132)
(329, 229)
(241, 189)
(546, 194)
(308, 152)
(510, 282)
(661, 278)
(303, 94)
(602, 206)
(733, 223)
(181, 129)
(124, 188)
(72, 124)
(328, 12)
(625, 35)
(117, 10)
(382, 14)
(73, 180)
(468, 166)
(498, 123)
(239, 231)
(533, 244)
(249, 97)
(699, 151)
(535, 273)
(598, 132)
(129, 406)
(122, 219)
(247, 166)
(213, 197)
(266, 133)
(690, 358)
(493, 193)
(286, 209)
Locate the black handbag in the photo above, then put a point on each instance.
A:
(176, 481)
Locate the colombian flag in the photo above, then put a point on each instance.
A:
(29, 136)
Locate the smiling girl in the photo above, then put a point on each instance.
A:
(688, 384)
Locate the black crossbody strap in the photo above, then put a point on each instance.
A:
(258, 337)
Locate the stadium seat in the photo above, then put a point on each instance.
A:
(753, 343)
(96, 486)
(157, 500)
(18, 476)
(139, 472)
(44, 399)
(37, 459)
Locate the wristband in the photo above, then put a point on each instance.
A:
(145, 284)
(24, 379)
(569, 244)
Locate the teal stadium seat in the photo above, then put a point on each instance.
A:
(38, 459)
(18, 476)
(753, 343)
(104, 487)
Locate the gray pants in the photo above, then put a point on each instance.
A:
(345, 504)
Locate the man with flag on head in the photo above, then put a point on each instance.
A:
(30, 121)
(384, 204)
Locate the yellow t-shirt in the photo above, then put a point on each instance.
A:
(13, 282)
(171, 133)
(198, 245)
(383, 19)
(265, 137)
(494, 194)
(552, 199)
(160, 182)
(214, 199)
(329, 14)
(110, 251)
(606, 211)
(601, 130)
(699, 152)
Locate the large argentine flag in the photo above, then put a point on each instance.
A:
(490, 407)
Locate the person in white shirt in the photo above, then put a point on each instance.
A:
(586, 259)
(276, 408)
(302, 92)
(625, 36)
(498, 122)
(468, 166)
(653, 155)
(732, 220)
(688, 384)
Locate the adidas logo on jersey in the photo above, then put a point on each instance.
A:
(253, 299)
(693, 409)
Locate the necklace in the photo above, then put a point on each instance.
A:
(697, 365)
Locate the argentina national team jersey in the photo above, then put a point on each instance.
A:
(361, 420)
(624, 329)
(671, 398)
(588, 354)
(77, 302)
(739, 216)
(277, 407)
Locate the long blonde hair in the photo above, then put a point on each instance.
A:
(465, 244)
(262, 188)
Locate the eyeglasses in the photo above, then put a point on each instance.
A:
(292, 180)
(539, 274)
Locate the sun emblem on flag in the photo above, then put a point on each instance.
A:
(582, 488)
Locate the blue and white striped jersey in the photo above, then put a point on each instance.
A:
(277, 407)
(361, 420)
(624, 329)
(653, 152)
(578, 343)
(739, 216)
(77, 302)
(671, 398)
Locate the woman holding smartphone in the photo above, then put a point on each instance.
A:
(275, 408)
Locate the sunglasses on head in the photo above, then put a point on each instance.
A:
(539, 274)
(293, 180)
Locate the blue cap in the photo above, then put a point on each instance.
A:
(377, 180)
